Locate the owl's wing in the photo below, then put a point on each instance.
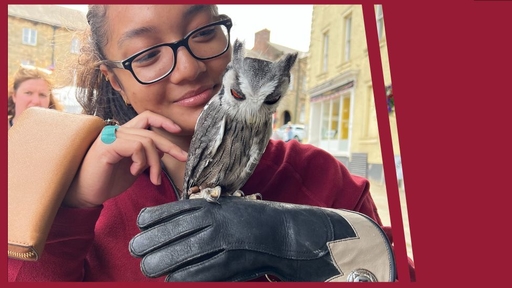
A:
(258, 147)
(208, 136)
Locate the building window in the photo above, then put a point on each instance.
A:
(348, 36)
(335, 119)
(75, 46)
(28, 62)
(29, 37)
(380, 20)
(325, 53)
(330, 123)
(292, 83)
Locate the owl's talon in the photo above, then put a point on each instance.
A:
(215, 192)
(238, 193)
(193, 190)
(255, 196)
(211, 194)
(195, 196)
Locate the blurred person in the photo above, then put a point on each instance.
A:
(31, 87)
(288, 132)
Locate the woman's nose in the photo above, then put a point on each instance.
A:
(36, 101)
(187, 67)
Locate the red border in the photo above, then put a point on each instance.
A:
(450, 65)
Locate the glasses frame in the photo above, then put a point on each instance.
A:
(127, 63)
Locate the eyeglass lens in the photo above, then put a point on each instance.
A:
(205, 43)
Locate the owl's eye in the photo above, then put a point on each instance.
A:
(238, 96)
(272, 102)
(272, 98)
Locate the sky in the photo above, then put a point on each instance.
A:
(289, 25)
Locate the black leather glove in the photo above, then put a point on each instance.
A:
(242, 239)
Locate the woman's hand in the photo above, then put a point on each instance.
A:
(110, 169)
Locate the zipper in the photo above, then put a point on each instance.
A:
(21, 255)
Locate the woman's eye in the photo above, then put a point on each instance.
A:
(147, 58)
(205, 34)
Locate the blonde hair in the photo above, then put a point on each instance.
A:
(25, 73)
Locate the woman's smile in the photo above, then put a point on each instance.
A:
(198, 97)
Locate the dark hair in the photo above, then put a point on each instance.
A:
(94, 93)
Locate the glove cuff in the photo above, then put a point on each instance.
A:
(368, 257)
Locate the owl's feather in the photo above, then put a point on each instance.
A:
(234, 128)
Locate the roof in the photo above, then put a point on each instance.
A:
(255, 54)
(285, 49)
(281, 49)
(53, 15)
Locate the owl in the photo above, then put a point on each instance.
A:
(235, 126)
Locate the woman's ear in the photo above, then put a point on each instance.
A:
(114, 82)
(110, 77)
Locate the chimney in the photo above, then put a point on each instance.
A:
(261, 40)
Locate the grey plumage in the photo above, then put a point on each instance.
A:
(234, 128)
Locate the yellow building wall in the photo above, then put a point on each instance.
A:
(331, 19)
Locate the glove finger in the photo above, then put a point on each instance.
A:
(226, 265)
(153, 215)
(181, 254)
(168, 232)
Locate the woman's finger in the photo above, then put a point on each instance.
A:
(149, 156)
(161, 143)
(148, 119)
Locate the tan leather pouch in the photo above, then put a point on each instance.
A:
(45, 150)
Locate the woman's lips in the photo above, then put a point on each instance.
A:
(195, 98)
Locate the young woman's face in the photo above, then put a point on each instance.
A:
(31, 93)
(182, 95)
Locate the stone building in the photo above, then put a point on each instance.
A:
(292, 106)
(44, 36)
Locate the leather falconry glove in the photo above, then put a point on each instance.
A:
(243, 239)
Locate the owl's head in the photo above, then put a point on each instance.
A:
(255, 86)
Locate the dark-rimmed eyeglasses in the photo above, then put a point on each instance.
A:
(157, 62)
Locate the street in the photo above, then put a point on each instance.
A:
(378, 191)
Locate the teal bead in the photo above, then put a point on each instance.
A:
(108, 134)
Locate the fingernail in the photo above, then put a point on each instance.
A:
(185, 155)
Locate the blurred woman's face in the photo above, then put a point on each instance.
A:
(31, 93)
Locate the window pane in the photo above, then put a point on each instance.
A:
(325, 52)
(335, 117)
(345, 115)
(348, 29)
(75, 46)
(380, 20)
(29, 36)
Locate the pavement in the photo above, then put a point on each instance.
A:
(379, 195)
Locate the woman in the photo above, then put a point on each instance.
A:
(156, 94)
(31, 87)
